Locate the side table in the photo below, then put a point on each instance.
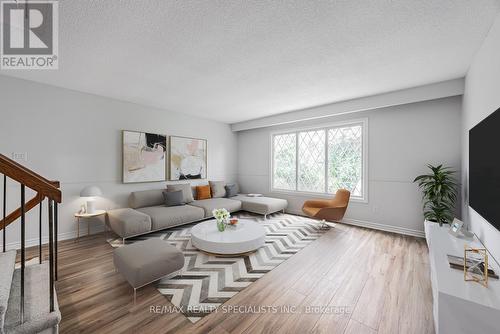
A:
(80, 216)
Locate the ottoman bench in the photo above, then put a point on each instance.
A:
(128, 222)
(147, 261)
(261, 205)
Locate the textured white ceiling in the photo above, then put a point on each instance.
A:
(238, 60)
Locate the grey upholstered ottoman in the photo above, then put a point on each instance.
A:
(262, 205)
(147, 261)
(128, 222)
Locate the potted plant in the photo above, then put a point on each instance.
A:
(439, 194)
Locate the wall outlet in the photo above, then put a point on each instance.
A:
(20, 156)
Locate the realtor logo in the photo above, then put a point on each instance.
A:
(29, 33)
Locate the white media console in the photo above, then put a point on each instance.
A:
(459, 306)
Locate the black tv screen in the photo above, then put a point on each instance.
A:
(484, 168)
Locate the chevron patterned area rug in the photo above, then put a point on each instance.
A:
(207, 281)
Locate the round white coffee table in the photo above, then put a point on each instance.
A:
(245, 237)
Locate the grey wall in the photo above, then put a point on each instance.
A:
(402, 140)
(76, 138)
(481, 98)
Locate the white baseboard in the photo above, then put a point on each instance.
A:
(376, 226)
(45, 239)
(384, 227)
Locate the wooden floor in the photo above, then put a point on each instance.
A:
(351, 280)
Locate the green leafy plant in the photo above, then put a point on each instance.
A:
(439, 193)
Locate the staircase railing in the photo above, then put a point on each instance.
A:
(44, 189)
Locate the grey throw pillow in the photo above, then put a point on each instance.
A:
(173, 198)
(231, 190)
(187, 192)
(217, 189)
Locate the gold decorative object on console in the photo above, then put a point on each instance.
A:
(476, 265)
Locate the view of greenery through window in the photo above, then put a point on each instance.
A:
(299, 160)
(285, 161)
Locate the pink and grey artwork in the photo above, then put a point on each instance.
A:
(188, 158)
(144, 157)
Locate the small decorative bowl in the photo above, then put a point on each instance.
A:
(233, 221)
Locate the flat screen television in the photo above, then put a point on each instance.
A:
(484, 168)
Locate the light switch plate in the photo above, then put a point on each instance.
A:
(20, 156)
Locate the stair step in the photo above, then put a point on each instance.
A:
(37, 317)
(7, 262)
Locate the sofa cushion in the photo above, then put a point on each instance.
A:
(146, 261)
(237, 186)
(128, 222)
(217, 203)
(186, 190)
(140, 199)
(173, 198)
(231, 190)
(218, 189)
(168, 216)
(203, 192)
(262, 205)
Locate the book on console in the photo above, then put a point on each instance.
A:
(457, 262)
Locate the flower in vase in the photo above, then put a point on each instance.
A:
(221, 214)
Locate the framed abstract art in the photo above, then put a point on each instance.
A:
(188, 158)
(144, 157)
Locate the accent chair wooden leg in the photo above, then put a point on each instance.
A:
(135, 295)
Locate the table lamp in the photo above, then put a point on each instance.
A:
(90, 193)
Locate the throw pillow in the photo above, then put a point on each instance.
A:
(186, 191)
(231, 190)
(173, 198)
(217, 188)
(203, 192)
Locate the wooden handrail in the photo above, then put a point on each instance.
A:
(30, 179)
(43, 188)
(15, 163)
(17, 213)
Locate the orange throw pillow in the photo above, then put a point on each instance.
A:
(203, 192)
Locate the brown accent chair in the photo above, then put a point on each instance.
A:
(328, 209)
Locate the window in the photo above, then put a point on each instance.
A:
(285, 161)
(321, 160)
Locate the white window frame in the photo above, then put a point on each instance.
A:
(364, 162)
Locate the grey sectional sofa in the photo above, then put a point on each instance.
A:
(148, 212)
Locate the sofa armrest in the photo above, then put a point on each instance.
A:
(128, 222)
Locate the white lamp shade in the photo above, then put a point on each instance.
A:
(90, 191)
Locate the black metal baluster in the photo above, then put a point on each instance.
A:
(40, 234)
(51, 253)
(4, 210)
(55, 238)
(23, 251)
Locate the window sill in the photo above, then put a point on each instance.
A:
(316, 195)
